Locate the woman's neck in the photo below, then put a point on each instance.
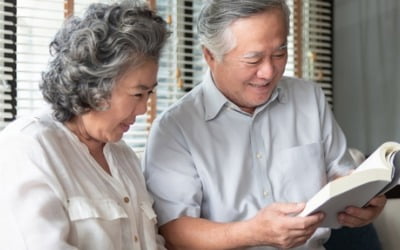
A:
(94, 146)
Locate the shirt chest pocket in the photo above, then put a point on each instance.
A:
(81, 208)
(300, 171)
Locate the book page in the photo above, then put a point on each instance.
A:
(395, 162)
(380, 158)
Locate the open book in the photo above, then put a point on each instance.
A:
(379, 173)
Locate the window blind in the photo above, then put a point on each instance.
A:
(290, 69)
(7, 62)
(316, 44)
(81, 5)
(37, 23)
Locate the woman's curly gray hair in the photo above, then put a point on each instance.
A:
(91, 52)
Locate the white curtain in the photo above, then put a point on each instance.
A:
(367, 71)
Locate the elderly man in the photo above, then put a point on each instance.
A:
(233, 161)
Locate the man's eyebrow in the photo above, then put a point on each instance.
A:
(256, 54)
(284, 46)
(252, 54)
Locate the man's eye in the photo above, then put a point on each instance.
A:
(279, 55)
(253, 62)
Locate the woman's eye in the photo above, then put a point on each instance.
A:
(141, 95)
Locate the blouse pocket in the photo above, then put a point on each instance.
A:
(149, 218)
(148, 211)
(81, 208)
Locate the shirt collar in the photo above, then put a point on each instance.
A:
(214, 100)
(282, 90)
(280, 94)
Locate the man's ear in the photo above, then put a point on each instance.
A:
(208, 56)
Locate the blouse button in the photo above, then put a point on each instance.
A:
(136, 238)
(126, 199)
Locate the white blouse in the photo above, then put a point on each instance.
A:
(54, 195)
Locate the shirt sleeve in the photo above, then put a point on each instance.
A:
(31, 215)
(170, 173)
(337, 157)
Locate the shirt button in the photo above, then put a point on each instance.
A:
(259, 155)
(136, 238)
(265, 193)
(126, 199)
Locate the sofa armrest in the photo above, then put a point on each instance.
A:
(387, 225)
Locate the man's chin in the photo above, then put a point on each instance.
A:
(260, 100)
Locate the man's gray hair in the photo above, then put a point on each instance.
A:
(217, 15)
(92, 52)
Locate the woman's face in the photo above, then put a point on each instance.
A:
(128, 99)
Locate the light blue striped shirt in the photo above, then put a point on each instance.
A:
(207, 158)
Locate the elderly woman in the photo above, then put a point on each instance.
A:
(67, 181)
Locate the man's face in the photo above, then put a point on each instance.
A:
(248, 74)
